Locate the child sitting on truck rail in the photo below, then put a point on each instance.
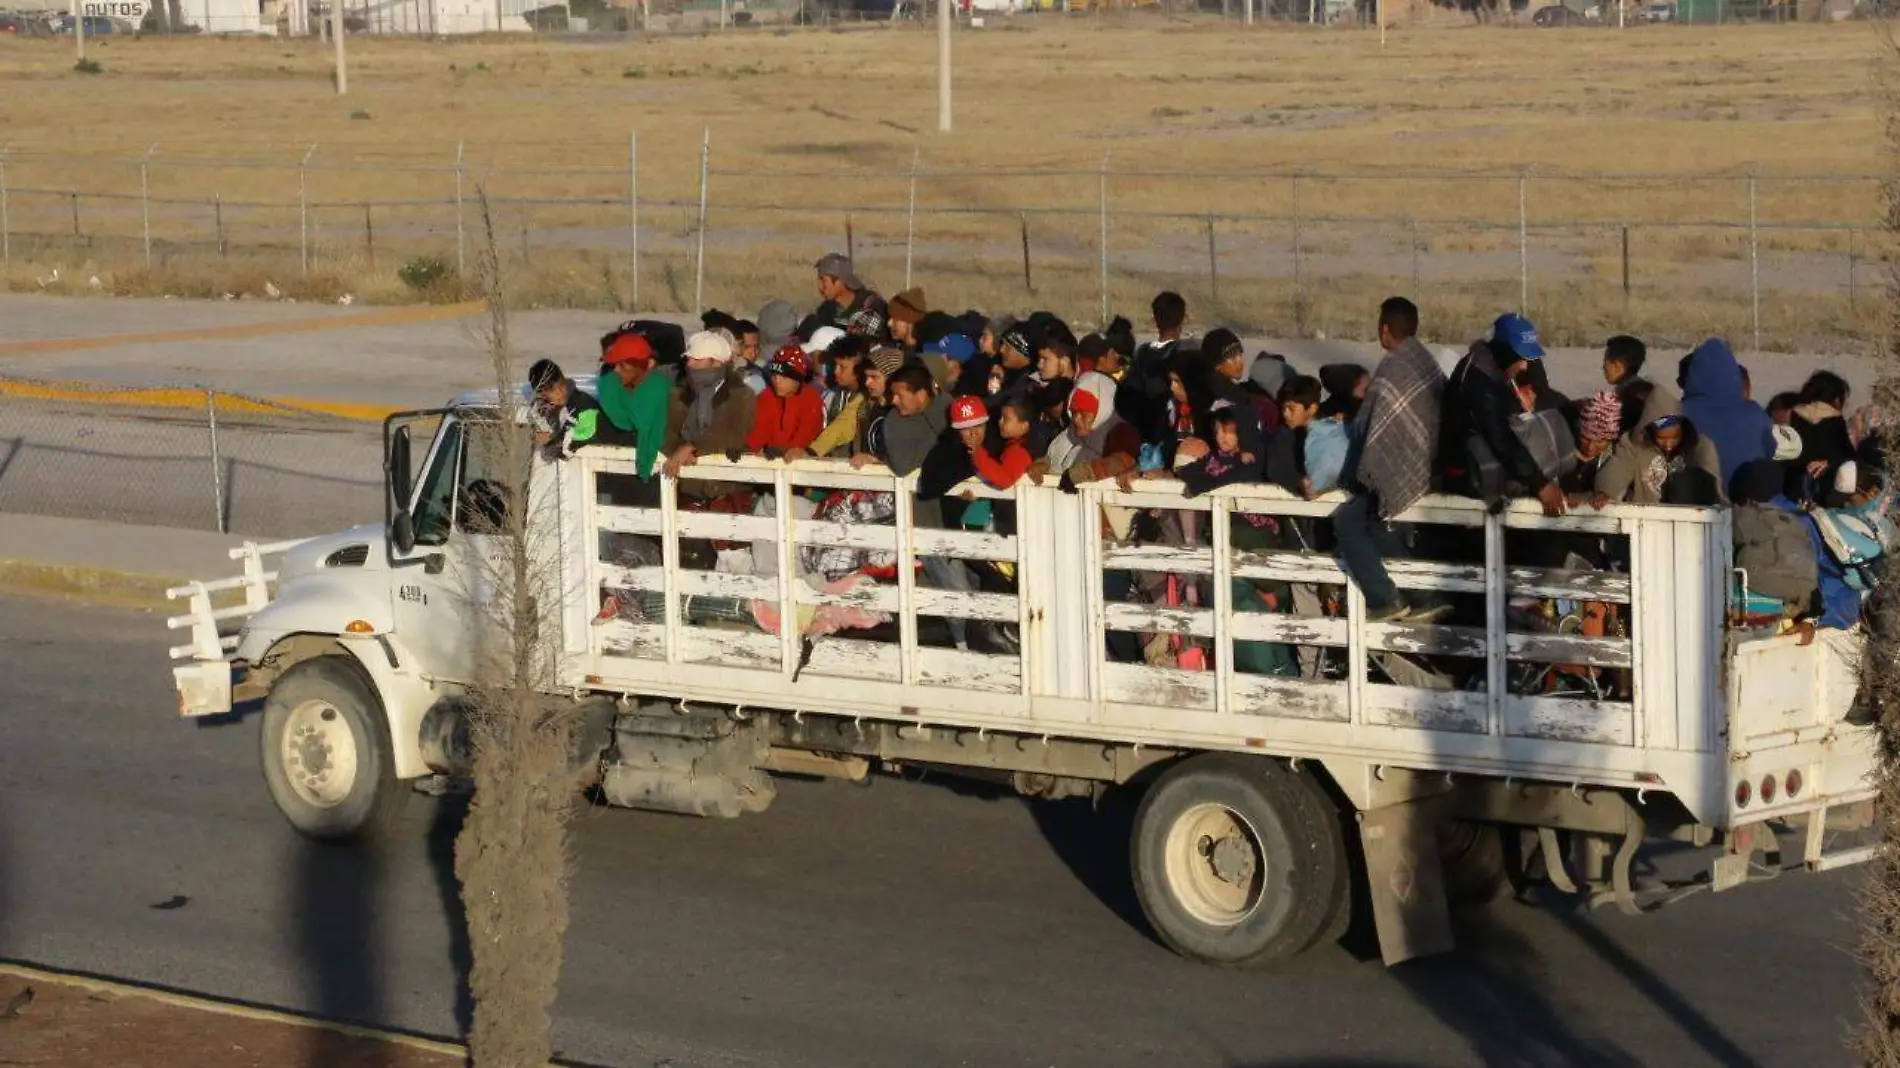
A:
(571, 415)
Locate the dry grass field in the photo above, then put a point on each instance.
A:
(813, 133)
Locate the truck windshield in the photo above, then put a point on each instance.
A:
(435, 501)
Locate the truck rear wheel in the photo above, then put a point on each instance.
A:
(326, 752)
(1235, 861)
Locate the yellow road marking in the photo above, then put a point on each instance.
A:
(182, 397)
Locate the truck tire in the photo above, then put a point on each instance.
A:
(1232, 860)
(326, 752)
(1473, 858)
(1331, 834)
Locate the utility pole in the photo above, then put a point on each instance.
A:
(342, 62)
(944, 18)
(79, 28)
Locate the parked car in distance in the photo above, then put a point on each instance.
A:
(1660, 12)
(1558, 15)
(96, 25)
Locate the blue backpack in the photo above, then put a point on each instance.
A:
(1327, 443)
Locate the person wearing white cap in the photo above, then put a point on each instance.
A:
(713, 409)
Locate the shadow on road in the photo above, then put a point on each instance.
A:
(444, 826)
(341, 928)
(1494, 991)
(1093, 843)
(334, 890)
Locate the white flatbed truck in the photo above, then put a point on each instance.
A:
(1267, 804)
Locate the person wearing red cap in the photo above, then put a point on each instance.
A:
(790, 413)
(634, 397)
(970, 417)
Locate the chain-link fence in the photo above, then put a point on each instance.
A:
(1774, 261)
(184, 457)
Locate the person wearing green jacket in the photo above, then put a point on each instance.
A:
(633, 396)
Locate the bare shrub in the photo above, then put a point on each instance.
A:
(1878, 1040)
(512, 855)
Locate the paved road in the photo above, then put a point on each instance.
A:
(902, 925)
(425, 363)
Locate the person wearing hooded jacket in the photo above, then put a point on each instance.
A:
(1715, 400)
(1665, 451)
(1346, 385)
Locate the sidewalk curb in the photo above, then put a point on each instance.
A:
(227, 1008)
(84, 582)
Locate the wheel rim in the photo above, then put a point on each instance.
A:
(319, 754)
(1215, 864)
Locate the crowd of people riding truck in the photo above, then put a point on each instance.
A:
(959, 397)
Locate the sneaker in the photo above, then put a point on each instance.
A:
(1391, 613)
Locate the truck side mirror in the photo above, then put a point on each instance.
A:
(402, 531)
(399, 469)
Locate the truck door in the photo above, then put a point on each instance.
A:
(443, 586)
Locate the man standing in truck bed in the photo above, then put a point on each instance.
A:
(849, 304)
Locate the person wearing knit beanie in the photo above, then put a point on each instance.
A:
(907, 309)
(887, 358)
(1599, 426)
(1602, 419)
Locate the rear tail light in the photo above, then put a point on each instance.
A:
(1768, 786)
(1794, 784)
(1744, 793)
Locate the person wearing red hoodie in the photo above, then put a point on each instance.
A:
(791, 413)
(970, 417)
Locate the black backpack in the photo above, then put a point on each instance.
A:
(668, 339)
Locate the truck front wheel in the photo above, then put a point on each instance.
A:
(326, 751)
(1232, 862)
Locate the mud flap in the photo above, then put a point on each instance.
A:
(1406, 880)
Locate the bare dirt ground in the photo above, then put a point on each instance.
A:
(1413, 154)
(51, 1024)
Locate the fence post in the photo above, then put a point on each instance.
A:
(1523, 244)
(633, 216)
(461, 237)
(217, 463)
(1853, 259)
(910, 233)
(303, 208)
(1626, 272)
(6, 231)
(1754, 266)
(217, 219)
(369, 237)
(1102, 196)
(1213, 265)
(1299, 267)
(1028, 283)
(699, 257)
(1411, 233)
(850, 239)
(145, 200)
(78, 238)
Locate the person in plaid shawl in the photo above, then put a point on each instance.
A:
(849, 305)
(1395, 436)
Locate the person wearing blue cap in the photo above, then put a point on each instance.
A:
(1482, 453)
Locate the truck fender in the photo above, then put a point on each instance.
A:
(324, 604)
(405, 696)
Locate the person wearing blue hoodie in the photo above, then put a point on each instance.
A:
(1715, 400)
